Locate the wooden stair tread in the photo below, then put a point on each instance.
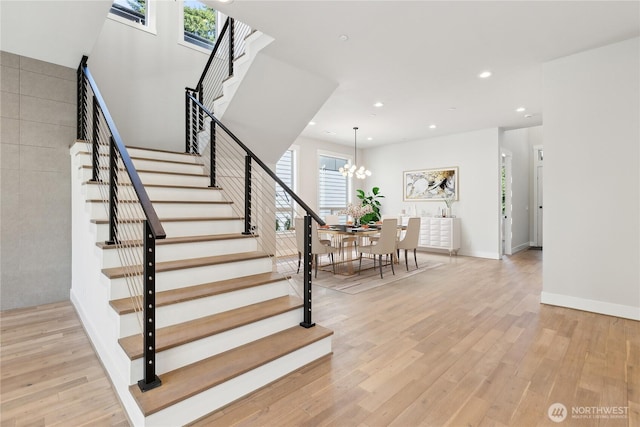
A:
(150, 171)
(186, 202)
(193, 379)
(117, 272)
(106, 154)
(159, 150)
(188, 187)
(178, 240)
(174, 296)
(193, 330)
(206, 218)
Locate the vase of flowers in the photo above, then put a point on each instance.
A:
(448, 200)
(356, 212)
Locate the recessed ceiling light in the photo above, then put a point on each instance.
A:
(485, 74)
(520, 109)
(378, 104)
(372, 115)
(312, 123)
(343, 37)
(452, 108)
(225, 1)
(432, 126)
(369, 139)
(328, 132)
(528, 116)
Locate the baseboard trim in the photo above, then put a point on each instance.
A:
(600, 307)
(519, 248)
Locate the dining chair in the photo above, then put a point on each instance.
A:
(410, 240)
(317, 247)
(386, 245)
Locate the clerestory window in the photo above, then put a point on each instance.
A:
(200, 25)
(136, 13)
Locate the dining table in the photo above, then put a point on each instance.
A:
(338, 232)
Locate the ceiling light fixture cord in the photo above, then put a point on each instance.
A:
(350, 169)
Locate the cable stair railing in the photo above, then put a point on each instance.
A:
(229, 46)
(262, 199)
(258, 195)
(134, 226)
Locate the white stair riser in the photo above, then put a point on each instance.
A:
(93, 192)
(165, 210)
(177, 229)
(175, 279)
(216, 397)
(192, 352)
(176, 251)
(152, 165)
(194, 309)
(156, 178)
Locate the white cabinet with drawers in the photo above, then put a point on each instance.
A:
(440, 233)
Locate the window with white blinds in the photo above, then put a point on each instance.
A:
(333, 188)
(284, 203)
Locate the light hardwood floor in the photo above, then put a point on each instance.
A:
(465, 344)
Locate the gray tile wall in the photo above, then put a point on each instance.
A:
(38, 113)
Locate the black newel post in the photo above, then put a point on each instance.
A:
(307, 323)
(247, 195)
(212, 157)
(232, 31)
(81, 102)
(95, 147)
(187, 122)
(150, 379)
(113, 193)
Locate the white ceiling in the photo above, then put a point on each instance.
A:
(59, 32)
(421, 58)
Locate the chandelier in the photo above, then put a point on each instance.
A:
(352, 169)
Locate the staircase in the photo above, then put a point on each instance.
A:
(226, 322)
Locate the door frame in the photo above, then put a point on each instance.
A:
(537, 162)
(506, 220)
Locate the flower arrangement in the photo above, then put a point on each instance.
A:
(356, 211)
(448, 200)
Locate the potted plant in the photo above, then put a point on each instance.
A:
(371, 199)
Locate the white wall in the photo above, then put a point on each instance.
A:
(519, 143)
(142, 77)
(592, 180)
(477, 156)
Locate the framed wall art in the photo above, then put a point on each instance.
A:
(431, 184)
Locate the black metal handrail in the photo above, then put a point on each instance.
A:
(249, 159)
(152, 228)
